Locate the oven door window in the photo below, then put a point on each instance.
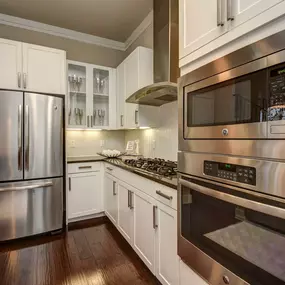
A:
(249, 243)
(238, 101)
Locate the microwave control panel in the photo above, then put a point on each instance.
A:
(233, 172)
(277, 86)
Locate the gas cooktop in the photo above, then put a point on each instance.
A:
(156, 166)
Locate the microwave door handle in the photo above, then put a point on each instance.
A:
(242, 202)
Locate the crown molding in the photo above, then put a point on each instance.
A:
(60, 32)
(77, 36)
(139, 30)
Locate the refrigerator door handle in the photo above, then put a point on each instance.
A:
(27, 139)
(20, 139)
(29, 187)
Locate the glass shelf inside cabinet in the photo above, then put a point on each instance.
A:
(77, 95)
(100, 97)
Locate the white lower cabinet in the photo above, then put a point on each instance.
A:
(84, 195)
(125, 211)
(144, 229)
(188, 276)
(111, 198)
(167, 261)
(145, 220)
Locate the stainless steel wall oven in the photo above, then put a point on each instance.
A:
(231, 165)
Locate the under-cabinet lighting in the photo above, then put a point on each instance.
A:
(144, 127)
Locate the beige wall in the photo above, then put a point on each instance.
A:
(144, 40)
(75, 50)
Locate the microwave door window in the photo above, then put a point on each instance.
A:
(238, 101)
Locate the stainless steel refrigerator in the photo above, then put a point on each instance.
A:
(31, 164)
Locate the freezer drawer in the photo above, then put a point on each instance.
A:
(30, 208)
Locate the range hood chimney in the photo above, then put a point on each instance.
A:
(166, 70)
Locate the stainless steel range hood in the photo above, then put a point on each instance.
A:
(166, 70)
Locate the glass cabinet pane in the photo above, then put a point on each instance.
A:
(77, 95)
(101, 83)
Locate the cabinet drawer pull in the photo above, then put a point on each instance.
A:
(164, 195)
(230, 16)
(19, 79)
(110, 169)
(25, 80)
(85, 167)
(154, 217)
(69, 186)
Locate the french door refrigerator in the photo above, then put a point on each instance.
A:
(31, 164)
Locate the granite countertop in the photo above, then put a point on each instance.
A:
(170, 182)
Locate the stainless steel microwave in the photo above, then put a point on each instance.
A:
(240, 96)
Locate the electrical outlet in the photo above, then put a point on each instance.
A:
(153, 144)
(102, 143)
(72, 143)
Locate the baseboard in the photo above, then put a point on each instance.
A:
(87, 221)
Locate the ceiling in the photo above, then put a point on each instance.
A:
(111, 19)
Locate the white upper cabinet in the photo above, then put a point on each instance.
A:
(200, 22)
(44, 69)
(135, 72)
(244, 10)
(121, 96)
(11, 64)
(91, 96)
(205, 26)
(32, 68)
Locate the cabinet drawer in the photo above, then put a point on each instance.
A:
(113, 170)
(166, 195)
(84, 167)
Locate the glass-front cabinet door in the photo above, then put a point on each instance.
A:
(77, 96)
(100, 107)
(92, 98)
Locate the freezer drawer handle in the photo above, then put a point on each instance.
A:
(242, 202)
(20, 132)
(164, 195)
(28, 187)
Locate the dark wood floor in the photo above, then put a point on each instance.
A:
(96, 255)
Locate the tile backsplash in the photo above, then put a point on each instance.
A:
(91, 142)
(158, 142)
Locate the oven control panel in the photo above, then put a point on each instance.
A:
(233, 172)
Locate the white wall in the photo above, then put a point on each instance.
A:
(89, 142)
(161, 142)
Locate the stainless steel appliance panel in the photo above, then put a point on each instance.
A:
(269, 174)
(43, 154)
(11, 133)
(30, 208)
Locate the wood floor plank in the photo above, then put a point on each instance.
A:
(96, 255)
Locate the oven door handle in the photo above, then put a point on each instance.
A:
(249, 204)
